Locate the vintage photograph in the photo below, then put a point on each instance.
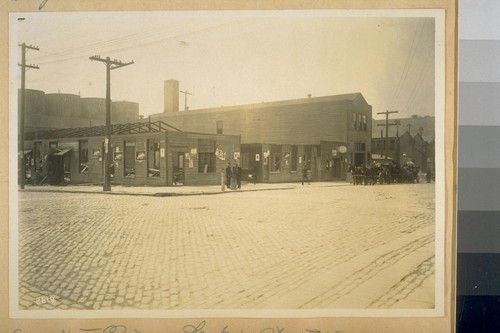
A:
(244, 163)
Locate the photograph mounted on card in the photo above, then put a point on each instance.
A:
(324, 156)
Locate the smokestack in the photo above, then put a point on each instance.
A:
(171, 96)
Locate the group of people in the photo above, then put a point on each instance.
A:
(233, 174)
(387, 174)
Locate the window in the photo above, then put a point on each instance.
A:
(83, 156)
(360, 146)
(354, 121)
(206, 162)
(392, 145)
(129, 159)
(276, 162)
(220, 126)
(153, 158)
(206, 156)
(365, 124)
(52, 144)
(294, 158)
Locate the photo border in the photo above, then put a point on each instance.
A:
(444, 323)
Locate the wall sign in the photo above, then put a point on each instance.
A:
(118, 155)
(140, 155)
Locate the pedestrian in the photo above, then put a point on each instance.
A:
(229, 175)
(305, 173)
(428, 174)
(254, 174)
(237, 175)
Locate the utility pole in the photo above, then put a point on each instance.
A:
(387, 127)
(185, 98)
(24, 67)
(409, 128)
(108, 154)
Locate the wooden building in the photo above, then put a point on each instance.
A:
(152, 154)
(415, 144)
(280, 139)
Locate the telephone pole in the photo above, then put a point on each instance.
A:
(185, 98)
(387, 128)
(108, 154)
(24, 67)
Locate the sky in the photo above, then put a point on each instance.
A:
(227, 58)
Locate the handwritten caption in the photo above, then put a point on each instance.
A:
(45, 300)
(189, 328)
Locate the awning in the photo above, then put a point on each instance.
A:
(62, 152)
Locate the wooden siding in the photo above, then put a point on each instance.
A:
(307, 122)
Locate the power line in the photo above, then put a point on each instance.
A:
(115, 44)
(418, 84)
(408, 63)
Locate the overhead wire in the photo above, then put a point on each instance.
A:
(115, 45)
(408, 64)
(418, 83)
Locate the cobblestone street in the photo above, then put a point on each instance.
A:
(298, 248)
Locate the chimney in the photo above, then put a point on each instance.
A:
(171, 96)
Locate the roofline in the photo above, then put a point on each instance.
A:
(263, 105)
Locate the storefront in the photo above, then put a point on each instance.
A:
(274, 163)
(152, 154)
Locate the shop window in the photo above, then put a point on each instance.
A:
(153, 156)
(206, 146)
(294, 158)
(206, 162)
(276, 162)
(129, 159)
(220, 127)
(83, 156)
(360, 146)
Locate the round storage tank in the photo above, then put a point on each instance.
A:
(35, 110)
(63, 105)
(61, 108)
(124, 112)
(94, 110)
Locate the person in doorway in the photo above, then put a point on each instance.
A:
(254, 174)
(229, 175)
(305, 172)
(237, 175)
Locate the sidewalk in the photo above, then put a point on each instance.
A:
(179, 190)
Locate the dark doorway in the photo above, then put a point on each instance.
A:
(178, 168)
(58, 167)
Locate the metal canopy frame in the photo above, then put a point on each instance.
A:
(116, 129)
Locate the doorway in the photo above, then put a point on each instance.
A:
(178, 168)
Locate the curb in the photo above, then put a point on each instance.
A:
(165, 194)
(157, 194)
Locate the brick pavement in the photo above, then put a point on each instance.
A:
(305, 247)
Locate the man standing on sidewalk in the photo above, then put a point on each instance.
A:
(305, 172)
(237, 175)
(229, 174)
